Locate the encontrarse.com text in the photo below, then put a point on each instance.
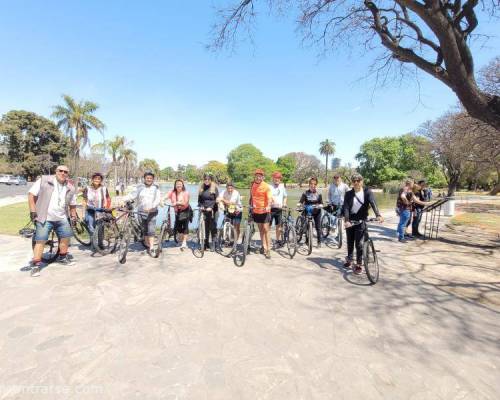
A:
(51, 389)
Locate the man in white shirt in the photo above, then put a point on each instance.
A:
(336, 192)
(147, 197)
(52, 200)
(231, 200)
(279, 201)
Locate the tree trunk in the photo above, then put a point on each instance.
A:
(453, 184)
(496, 188)
(326, 171)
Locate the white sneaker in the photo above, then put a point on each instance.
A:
(183, 246)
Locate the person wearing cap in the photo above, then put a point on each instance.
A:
(52, 201)
(231, 202)
(336, 193)
(279, 194)
(311, 197)
(356, 204)
(207, 202)
(260, 201)
(95, 195)
(147, 198)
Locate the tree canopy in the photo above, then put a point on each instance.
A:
(244, 160)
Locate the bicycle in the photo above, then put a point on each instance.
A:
(226, 236)
(200, 233)
(288, 231)
(332, 221)
(304, 224)
(51, 247)
(81, 231)
(247, 236)
(370, 259)
(166, 232)
(106, 232)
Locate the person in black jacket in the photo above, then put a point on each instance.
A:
(207, 199)
(313, 197)
(356, 203)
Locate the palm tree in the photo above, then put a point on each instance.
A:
(129, 158)
(77, 119)
(326, 148)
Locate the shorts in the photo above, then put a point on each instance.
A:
(276, 215)
(148, 223)
(62, 229)
(235, 219)
(262, 218)
(182, 226)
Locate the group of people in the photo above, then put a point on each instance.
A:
(53, 200)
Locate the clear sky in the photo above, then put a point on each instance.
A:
(146, 65)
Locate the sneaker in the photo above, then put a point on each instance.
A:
(318, 246)
(65, 260)
(183, 246)
(402, 241)
(357, 269)
(409, 237)
(268, 254)
(261, 251)
(347, 263)
(35, 270)
(212, 247)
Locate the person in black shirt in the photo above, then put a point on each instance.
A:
(356, 204)
(207, 199)
(313, 197)
(423, 195)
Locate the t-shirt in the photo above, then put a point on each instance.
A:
(97, 198)
(261, 197)
(336, 193)
(279, 195)
(357, 201)
(233, 198)
(400, 204)
(147, 197)
(183, 196)
(57, 204)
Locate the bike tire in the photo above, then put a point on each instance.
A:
(340, 233)
(226, 239)
(309, 237)
(81, 232)
(123, 246)
(105, 237)
(299, 227)
(325, 225)
(291, 240)
(370, 261)
(247, 239)
(162, 237)
(50, 250)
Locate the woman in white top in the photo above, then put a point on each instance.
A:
(230, 199)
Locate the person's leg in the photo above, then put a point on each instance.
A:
(42, 232)
(359, 232)
(237, 229)
(416, 222)
(350, 244)
(317, 225)
(213, 227)
(207, 228)
(90, 221)
(403, 219)
(64, 234)
(266, 228)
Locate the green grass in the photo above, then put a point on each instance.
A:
(13, 218)
(486, 221)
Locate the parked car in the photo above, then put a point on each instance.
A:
(16, 180)
(5, 179)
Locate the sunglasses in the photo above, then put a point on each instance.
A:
(336, 177)
(63, 171)
(356, 180)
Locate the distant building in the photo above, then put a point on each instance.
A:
(335, 163)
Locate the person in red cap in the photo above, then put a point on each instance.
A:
(260, 201)
(279, 201)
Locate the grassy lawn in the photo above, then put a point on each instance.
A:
(13, 218)
(487, 221)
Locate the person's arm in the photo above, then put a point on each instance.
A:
(269, 198)
(285, 197)
(32, 196)
(402, 196)
(302, 199)
(72, 207)
(330, 194)
(416, 200)
(346, 210)
(373, 204)
(157, 199)
(199, 199)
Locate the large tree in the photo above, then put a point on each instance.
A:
(77, 119)
(218, 170)
(244, 160)
(432, 35)
(148, 164)
(306, 166)
(326, 148)
(287, 166)
(34, 144)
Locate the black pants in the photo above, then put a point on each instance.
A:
(317, 224)
(417, 217)
(355, 234)
(210, 225)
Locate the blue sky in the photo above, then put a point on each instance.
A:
(146, 65)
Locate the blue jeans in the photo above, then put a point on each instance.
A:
(404, 217)
(62, 229)
(90, 220)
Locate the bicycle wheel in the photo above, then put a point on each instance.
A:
(200, 236)
(226, 239)
(50, 249)
(123, 245)
(291, 239)
(339, 233)
(370, 261)
(247, 238)
(162, 237)
(81, 232)
(299, 227)
(325, 225)
(309, 237)
(105, 237)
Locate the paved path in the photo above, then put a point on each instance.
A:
(187, 328)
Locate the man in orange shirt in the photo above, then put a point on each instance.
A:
(260, 200)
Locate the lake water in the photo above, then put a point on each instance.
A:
(384, 200)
